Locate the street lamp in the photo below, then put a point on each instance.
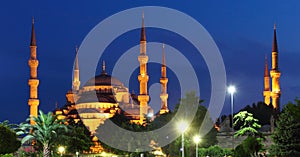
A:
(182, 127)
(77, 154)
(231, 90)
(197, 140)
(61, 150)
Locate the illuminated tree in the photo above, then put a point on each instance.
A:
(249, 125)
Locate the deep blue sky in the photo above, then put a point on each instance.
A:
(242, 30)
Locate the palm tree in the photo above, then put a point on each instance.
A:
(43, 131)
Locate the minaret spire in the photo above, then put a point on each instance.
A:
(274, 45)
(76, 80)
(33, 39)
(143, 32)
(275, 73)
(143, 77)
(33, 82)
(163, 82)
(163, 55)
(76, 59)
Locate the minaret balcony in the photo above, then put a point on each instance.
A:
(33, 63)
(33, 102)
(143, 78)
(33, 82)
(143, 59)
(275, 73)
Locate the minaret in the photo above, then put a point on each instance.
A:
(267, 91)
(275, 74)
(33, 82)
(164, 81)
(76, 80)
(143, 78)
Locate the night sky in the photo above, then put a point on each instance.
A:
(242, 30)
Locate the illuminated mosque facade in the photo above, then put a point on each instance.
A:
(103, 95)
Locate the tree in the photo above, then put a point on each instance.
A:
(75, 140)
(9, 125)
(44, 131)
(214, 151)
(8, 140)
(286, 136)
(249, 125)
(239, 151)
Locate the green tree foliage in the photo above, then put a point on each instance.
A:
(286, 137)
(248, 126)
(77, 139)
(6, 155)
(249, 147)
(239, 151)
(44, 132)
(9, 125)
(248, 123)
(8, 140)
(214, 151)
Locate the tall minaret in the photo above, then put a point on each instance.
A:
(267, 91)
(164, 81)
(33, 82)
(76, 81)
(275, 74)
(143, 78)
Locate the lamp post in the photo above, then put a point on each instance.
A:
(182, 127)
(61, 150)
(197, 140)
(231, 90)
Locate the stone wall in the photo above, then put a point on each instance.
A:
(225, 140)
